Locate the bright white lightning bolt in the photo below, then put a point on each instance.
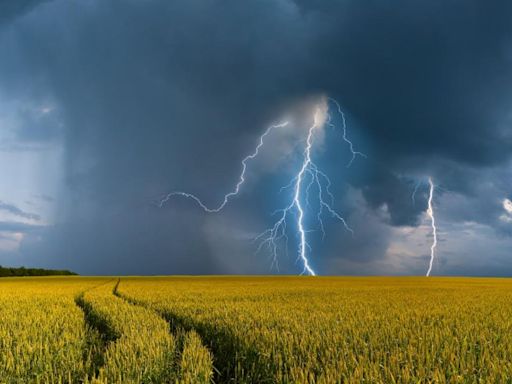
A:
(309, 173)
(430, 213)
(241, 178)
(272, 236)
(280, 226)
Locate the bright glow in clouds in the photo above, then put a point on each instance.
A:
(308, 176)
(507, 205)
(430, 213)
(507, 216)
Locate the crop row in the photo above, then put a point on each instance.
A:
(260, 330)
(45, 337)
(342, 330)
(140, 347)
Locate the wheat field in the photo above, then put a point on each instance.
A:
(255, 330)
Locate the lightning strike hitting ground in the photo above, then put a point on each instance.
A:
(241, 178)
(308, 176)
(430, 213)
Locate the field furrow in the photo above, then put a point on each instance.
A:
(100, 333)
(342, 330)
(230, 353)
(140, 347)
(43, 335)
(193, 362)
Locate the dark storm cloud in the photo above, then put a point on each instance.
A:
(429, 83)
(382, 188)
(157, 95)
(368, 243)
(425, 79)
(16, 211)
(10, 10)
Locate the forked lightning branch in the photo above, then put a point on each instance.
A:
(293, 216)
(309, 182)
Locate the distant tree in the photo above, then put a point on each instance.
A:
(22, 271)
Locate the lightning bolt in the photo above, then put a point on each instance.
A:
(430, 213)
(344, 132)
(308, 175)
(414, 192)
(236, 189)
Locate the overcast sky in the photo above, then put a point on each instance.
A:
(106, 106)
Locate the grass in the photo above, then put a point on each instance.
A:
(255, 330)
(351, 330)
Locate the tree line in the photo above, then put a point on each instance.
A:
(22, 271)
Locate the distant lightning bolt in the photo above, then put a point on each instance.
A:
(430, 213)
(414, 192)
(241, 178)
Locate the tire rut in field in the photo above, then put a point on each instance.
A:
(224, 346)
(99, 333)
(178, 333)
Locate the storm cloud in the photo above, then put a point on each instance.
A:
(142, 98)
